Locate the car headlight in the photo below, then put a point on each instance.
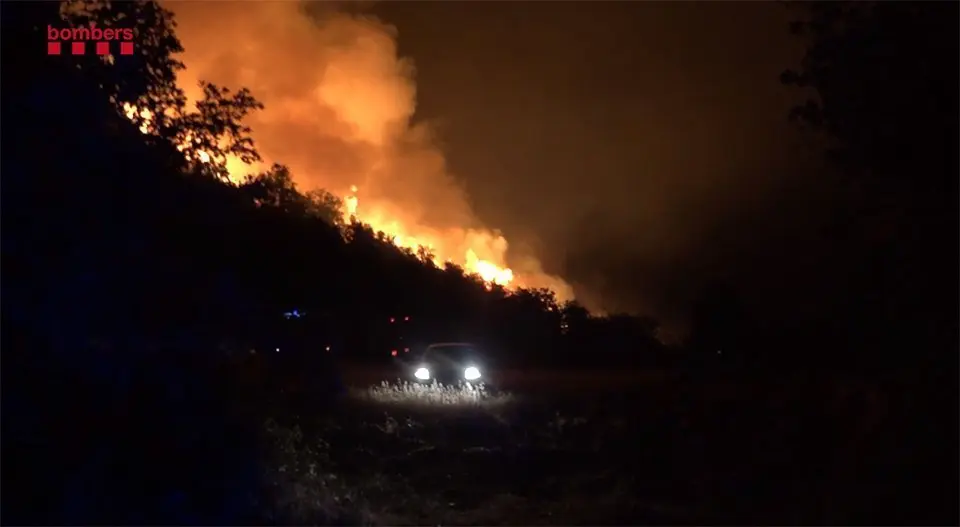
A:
(422, 373)
(471, 373)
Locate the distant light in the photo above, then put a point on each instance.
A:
(406, 350)
(422, 374)
(471, 373)
(328, 348)
(406, 319)
(293, 314)
(278, 350)
(393, 353)
(392, 320)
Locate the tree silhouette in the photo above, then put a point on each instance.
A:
(146, 79)
(883, 75)
(216, 130)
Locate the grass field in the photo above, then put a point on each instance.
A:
(773, 452)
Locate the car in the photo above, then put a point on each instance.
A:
(450, 363)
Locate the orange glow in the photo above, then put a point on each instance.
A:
(339, 105)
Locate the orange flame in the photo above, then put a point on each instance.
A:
(488, 271)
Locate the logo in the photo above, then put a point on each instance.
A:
(105, 41)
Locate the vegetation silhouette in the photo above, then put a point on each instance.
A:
(135, 276)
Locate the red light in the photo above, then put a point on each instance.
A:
(393, 353)
(392, 320)
(406, 319)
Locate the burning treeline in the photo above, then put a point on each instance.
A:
(338, 108)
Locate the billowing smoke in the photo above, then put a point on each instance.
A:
(339, 104)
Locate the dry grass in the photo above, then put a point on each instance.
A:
(432, 394)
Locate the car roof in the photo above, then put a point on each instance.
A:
(445, 344)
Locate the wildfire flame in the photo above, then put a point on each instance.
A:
(488, 271)
(339, 104)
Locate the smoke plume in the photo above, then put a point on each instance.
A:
(339, 107)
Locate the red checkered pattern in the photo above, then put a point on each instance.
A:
(80, 48)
